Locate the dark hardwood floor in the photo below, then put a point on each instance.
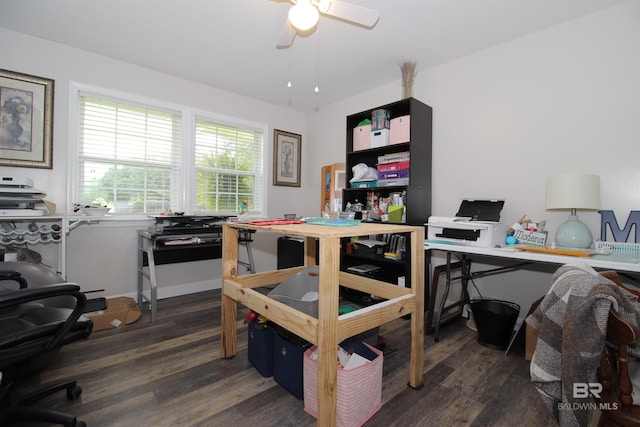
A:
(170, 373)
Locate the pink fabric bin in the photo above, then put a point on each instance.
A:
(400, 130)
(362, 137)
(359, 393)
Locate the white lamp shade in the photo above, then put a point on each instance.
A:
(573, 191)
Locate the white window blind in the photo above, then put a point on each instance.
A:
(129, 156)
(228, 167)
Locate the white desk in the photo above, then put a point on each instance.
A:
(615, 261)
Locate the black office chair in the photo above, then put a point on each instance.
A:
(29, 329)
(33, 276)
(19, 274)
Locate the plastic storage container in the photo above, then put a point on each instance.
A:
(495, 320)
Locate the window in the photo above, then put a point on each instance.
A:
(141, 158)
(128, 156)
(228, 167)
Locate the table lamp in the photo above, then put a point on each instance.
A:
(573, 191)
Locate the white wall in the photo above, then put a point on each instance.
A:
(561, 100)
(103, 256)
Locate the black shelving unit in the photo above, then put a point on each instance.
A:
(418, 190)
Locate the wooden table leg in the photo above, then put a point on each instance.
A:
(309, 251)
(229, 306)
(416, 364)
(328, 330)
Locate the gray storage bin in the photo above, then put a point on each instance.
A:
(299, 291)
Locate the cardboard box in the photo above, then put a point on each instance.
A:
(531, 335)
(358, 394)
(119, 311)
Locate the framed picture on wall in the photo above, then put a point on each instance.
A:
(26, 120)
(286, 158)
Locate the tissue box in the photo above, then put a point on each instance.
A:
(400, 130)
(358, 394)
(362, 137)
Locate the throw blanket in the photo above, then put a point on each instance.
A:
(571, 322)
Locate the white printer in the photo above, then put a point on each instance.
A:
(19, 198)
(475, 224)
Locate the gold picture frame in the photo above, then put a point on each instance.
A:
(287, 152)
(26, 120)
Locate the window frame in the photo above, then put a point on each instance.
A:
(227, 121)
(189, 115)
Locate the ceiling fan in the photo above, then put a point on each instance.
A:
(304, 15)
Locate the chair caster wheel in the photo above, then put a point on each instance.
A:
(73, 392)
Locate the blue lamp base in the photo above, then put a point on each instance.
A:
(574, 234)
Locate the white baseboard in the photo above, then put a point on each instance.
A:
(182, 289)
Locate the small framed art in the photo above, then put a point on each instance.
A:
(286, 158)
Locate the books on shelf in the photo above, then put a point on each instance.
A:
(393, 243)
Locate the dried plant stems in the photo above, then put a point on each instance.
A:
(408, 70)
(408, 73)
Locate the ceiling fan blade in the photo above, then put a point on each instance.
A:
(349, 12)
(287, 35)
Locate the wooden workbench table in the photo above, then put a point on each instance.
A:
(328, 329)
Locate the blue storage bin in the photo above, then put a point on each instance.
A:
(288, 357)
(260, 348)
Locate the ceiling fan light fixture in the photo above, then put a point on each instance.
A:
(303, 15)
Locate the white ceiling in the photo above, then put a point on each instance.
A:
(231, 44)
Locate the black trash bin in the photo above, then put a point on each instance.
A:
(494, 320)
